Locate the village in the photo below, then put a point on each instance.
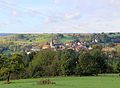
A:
(76, 46)
(57, 46)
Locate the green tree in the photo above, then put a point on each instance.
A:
(111, 44)
(78, 70)
(117, 67)
(59, 36)
(13, 65)
(45, 63)
(97, 47)
(87, 64)
(67, 62)
(20, 36)
(100, 59)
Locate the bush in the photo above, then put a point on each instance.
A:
(43, 82)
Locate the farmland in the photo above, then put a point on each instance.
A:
(67, 82)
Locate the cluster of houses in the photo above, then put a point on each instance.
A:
(77, 46)
(59, 46)
(67, 45)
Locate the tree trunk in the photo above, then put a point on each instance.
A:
(8, 78)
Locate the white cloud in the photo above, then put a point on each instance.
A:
(115, 3)
(57, 1)
(9, 2)
(7, 22)
(62, 17)
(14, 13)
(50, 20)
(33, 11)
(72, 16)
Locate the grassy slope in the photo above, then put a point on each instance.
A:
(42, 38)
(65, 39)
(39, 38)
(113, 35)
(68, 82)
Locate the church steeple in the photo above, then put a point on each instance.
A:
(52, 43)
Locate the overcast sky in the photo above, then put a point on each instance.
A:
(63, 16)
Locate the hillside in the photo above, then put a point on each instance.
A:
(42, 38)
(10, 43)
(62, 38)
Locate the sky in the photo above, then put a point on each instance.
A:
(59, 16)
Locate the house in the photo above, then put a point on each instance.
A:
(46, 46)
(23, 43)
(70, 48)
(35, 49)
(41, 44)
(53, 45)
(80, 47)
(90, 48)
(118, 45)
(106, 49)
(78, 43)
(60, 45)
(62, 48)
(95, 41)
(68, 44)
(34, 44)
(28, 52)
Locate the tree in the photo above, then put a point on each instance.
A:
(117, 50)
(41, 45)
(87, 64)
(97, 47)
(111, 44)
(100, 59)
(45, 63)
(117, 67)
(20, 36)
(67, 62)
(2, 59)
(3, 63)
(13, 65)
(59, 36)
(78, 70)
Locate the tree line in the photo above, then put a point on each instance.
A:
(48, 63)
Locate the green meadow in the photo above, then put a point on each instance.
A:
(67, 82)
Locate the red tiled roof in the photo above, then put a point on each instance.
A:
(118, 45)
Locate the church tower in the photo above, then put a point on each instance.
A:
(52, 43)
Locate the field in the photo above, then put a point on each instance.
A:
(39, 38)
(67, 82)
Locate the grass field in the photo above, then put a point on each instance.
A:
(65, 39)
(67, 82)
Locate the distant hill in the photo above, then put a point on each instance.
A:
(10, 42)
(92, 38)
(6, 34)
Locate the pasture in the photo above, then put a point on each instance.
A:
(67, 82)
